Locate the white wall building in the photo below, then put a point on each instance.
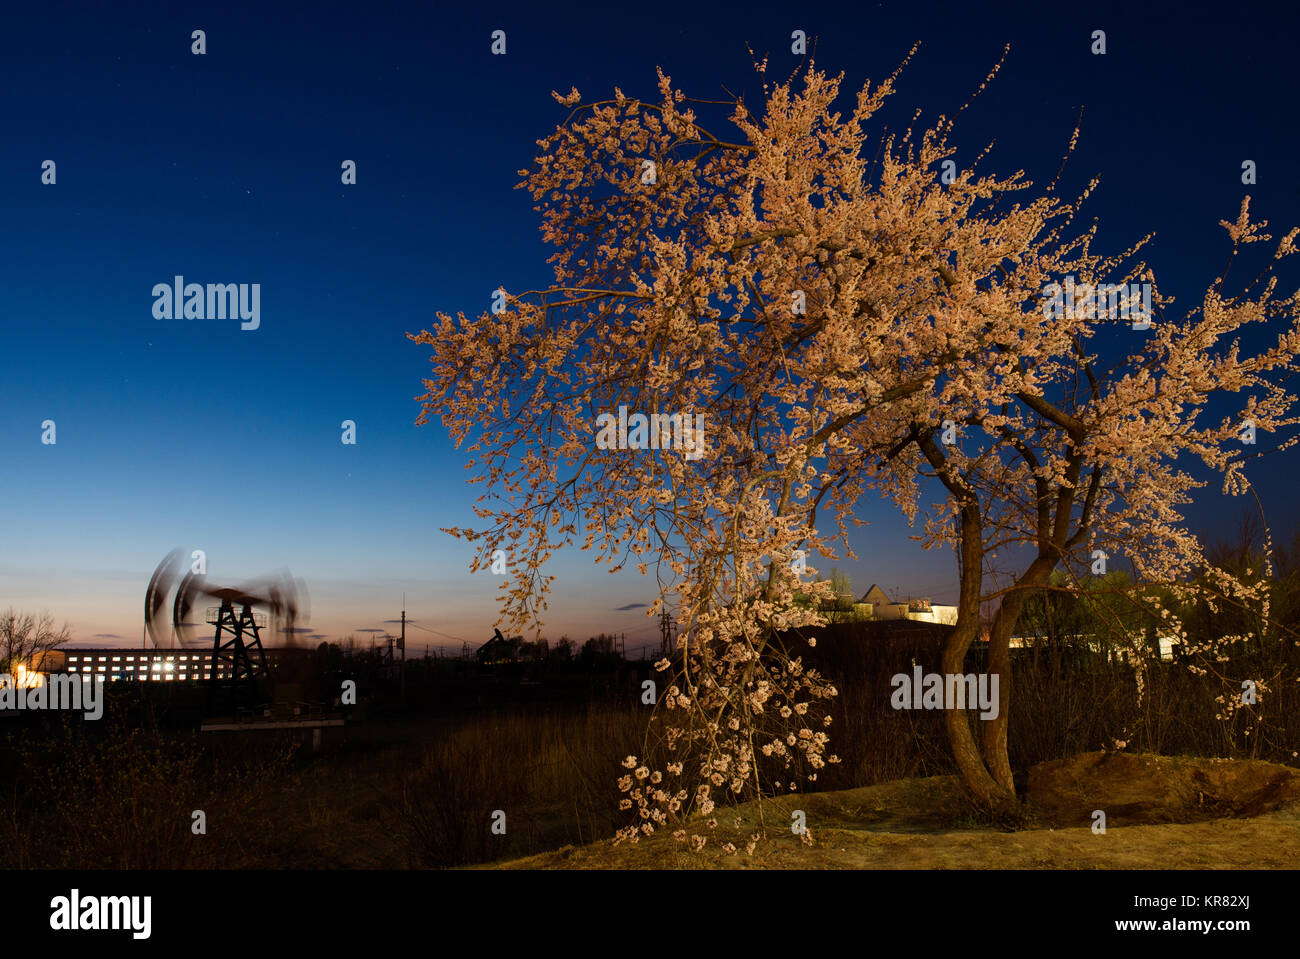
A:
(876, 605)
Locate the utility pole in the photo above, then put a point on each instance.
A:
(402, 667)
(665, 632)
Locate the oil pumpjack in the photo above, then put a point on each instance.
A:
(239, 657)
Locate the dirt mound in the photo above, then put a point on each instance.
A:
(1148, 789)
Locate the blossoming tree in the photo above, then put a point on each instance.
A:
(842, 320)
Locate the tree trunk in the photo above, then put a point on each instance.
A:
(995, 730)
(999, 664)
(988, 792)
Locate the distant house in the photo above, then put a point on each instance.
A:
(875, 596)
(875, 605)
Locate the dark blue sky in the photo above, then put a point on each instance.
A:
(225, 168)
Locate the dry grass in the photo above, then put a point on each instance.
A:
(422, 793)
(553, 777)
(923, 824)
(126, 798)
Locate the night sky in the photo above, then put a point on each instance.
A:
(225, 168)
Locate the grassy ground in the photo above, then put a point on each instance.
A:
(422, 793)
(926, 824)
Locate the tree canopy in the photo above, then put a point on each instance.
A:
(852, 314)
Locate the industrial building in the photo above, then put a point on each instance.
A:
(139, 665)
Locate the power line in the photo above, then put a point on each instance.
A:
(411, 622)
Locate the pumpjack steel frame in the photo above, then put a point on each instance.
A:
(235, 652)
